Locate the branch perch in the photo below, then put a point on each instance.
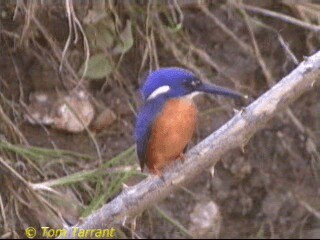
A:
(234, 134)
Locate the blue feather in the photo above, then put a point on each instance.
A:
(146, 118)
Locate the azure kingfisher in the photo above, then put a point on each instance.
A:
(167, 120)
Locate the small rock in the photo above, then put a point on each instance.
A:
(103, 120)
(39, 108)
(70, 112)
(205, 220)
(73, 113)
(272, 204)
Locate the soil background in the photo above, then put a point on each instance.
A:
(268, 189)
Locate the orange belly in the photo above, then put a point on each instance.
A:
(171, 133)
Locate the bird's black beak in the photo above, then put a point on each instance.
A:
(213, 89)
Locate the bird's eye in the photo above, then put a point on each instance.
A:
(195, 82)
(192, 83)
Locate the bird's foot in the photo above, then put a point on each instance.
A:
(157, 173)
(182, 157)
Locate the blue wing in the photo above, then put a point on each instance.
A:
(145, 119)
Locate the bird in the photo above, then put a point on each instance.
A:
(167, 118)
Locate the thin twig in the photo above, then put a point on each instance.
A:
(282, 42)
(225, 29)
(257, 51)
(173, 222)
(282, 17)
(67, 44)
(85, 44)
(310, 209)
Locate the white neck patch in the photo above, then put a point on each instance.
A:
(158, 91)
(190, 96)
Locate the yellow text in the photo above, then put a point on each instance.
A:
(53, 233)
(91, 233)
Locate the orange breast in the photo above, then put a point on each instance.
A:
(170, 134)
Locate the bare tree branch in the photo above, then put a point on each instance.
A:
(235, 133)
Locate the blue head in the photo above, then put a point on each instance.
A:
(178, 82)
